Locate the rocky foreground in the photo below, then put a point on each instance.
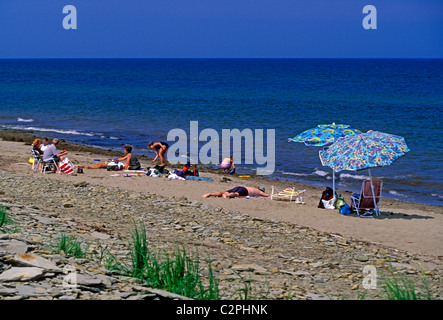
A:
(265, 259)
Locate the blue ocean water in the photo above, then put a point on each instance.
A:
(112, 102)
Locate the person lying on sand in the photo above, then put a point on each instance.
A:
(118, 165)
(131, 163)
(239, 192)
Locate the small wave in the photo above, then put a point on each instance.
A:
(114, 138)
(437, 195)
(396, 193)
(24, 120)
(74, 132)
(321, 173)
(353, 176)
(294, 173)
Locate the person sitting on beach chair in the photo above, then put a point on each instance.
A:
(131, 163)
(51, 153)
(239, 191)
(45, 144)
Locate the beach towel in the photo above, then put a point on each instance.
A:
(198, 178)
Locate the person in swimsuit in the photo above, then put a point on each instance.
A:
(227, 163)
(160, 149)
(239, 191)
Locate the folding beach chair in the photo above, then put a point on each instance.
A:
(288, 194)
(367, 200)
(37, 160)
(49, 165)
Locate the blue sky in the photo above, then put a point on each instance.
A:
(221, 29)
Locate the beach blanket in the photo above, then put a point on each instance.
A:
(198, 178)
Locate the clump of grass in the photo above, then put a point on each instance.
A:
(70, 246)
(398, 287)
(3, 214)
(248, 292)
(177, 273)
(5, 220)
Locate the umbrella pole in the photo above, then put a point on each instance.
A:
(333, 183)
(377, 212)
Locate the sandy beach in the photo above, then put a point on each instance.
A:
(410, 227)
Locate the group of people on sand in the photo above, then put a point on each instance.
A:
(49, 152)
(131, 161)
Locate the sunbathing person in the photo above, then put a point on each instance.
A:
(131, 163)
(118, 165)
(239, 192)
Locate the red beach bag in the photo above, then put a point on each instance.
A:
(66, 166)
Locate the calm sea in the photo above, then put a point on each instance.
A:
(112, 102)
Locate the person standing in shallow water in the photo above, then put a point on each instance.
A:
(160, 150)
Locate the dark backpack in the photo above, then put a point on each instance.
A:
(327, 194)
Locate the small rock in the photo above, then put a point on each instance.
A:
(22, 274)
(68, 204)
(32, 260)
(362, 258)
(13, 246)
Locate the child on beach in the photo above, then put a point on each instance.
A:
(131, 163)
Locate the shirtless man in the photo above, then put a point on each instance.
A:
(239, 192)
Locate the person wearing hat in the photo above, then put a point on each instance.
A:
(239, 191)
(186, 169)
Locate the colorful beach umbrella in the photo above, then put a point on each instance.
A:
(364, 151)
(324, 134)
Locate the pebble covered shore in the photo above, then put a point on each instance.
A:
(276, 260)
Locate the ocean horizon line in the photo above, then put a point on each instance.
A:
(221, 58)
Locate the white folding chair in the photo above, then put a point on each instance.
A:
(49, 165)
(288, 194)
(37, 160)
